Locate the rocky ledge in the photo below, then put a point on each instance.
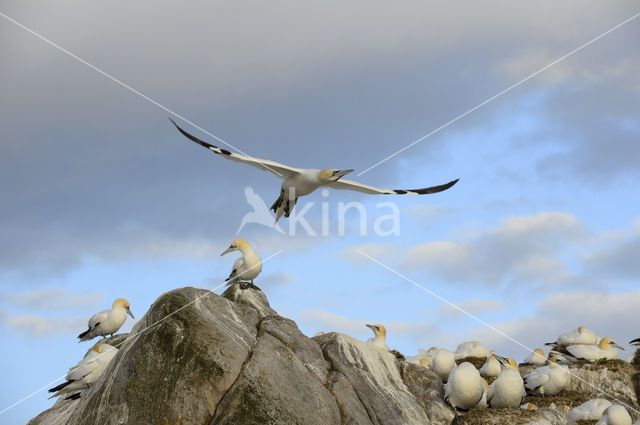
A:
(232, 359)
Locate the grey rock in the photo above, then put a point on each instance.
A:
(58, 414)
(428, 389)
(352, 411)
(249, 297)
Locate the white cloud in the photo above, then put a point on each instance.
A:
(520, 249)
(428, 213)
(618, 258)
(474, 306)
(54, 299)
(38, 326)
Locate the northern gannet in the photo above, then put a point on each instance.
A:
(591, 410)
(300, 182)
(245, 268)
(605, 350)
(536, 357)
(615, 415)
(548, 380)
(380, 334)
(491, 367)
(508, 388)
(442, 363)
(483, 400)
(471, 349)
(107, 322)
(582, 335)
(464, 387)
(86, 372)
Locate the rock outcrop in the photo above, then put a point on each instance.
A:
(203, 359)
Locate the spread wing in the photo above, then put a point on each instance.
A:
(343, 184)
(280, 170)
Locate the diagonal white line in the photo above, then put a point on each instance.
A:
(128, 87)
(209, 292)
(482, 322)
(480, 105)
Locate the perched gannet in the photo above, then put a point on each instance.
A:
(536, 357)
(471, 349)
(85, 373)
(615, 415)
(591, 410)
(582, 335)
(464, 387)
(442, 363)
(107, 322)
(427, 355)
(245, 268)
(380, 334)
(491, 367)
(605, 350)
(508, 388)
(300, 182)
(548, 380)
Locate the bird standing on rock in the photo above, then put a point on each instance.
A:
(464, 387)
(300, 182)
(246, 268)
(548, 380)
(107, 322)
(605, 350)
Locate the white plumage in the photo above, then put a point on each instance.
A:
(107, 322)
(606, 350)
(615, 415)
(86, 372)
(380, 334)
(491, 368)
(548, 380)
(442, 363)
(300, 182)
(464, 387)
(471, 349)
(536, 357)
(582, 335)
(245, 268)
(508, 388)
(591, 410)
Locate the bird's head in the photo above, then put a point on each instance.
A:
(236, 245)
(606, 343)
(506, 362)
(122, 303)
(378, 330)
(332, 175)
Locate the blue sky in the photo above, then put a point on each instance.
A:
(103, 199)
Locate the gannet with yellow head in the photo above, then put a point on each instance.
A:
(380, 334)
(246, 268)
(491, 367)
(536, 357)
(605, 350)
(300, 182)
(107, 322)
(581, 335)
(508, 388)
(548, 380)
(86, 372)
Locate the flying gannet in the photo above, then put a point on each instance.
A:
(300, 182)
(615, 415)
(591, 410)
(548, 380)
(246, 268)
(107, 322)
(380, 334)
(508, 388)
(86, 372)
(536, 357)
(605, 350)
(582, 335)
(464, 387)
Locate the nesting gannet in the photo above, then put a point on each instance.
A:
(380, 334)
(245, 268)
(471, 349)
(582, 335)
(536, 357)
(86, 372)
(107, 322)
(508, 388)
(442, 363)
(615, 415)
(464, 387)
(548, 380)
(491, 367)
(300, 182)
(605, 350)
(591, 410)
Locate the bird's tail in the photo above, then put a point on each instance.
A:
(61, 386)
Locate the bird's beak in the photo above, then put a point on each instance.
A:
(339, 173)
(501, 359)
(130, 313)
(613, 344)
(373, 328)
(228, 250)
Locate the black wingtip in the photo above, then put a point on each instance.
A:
(59, 387)
(192, 137)
(635, 341)
(432, 189)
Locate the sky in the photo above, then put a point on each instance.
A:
(103, 198)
